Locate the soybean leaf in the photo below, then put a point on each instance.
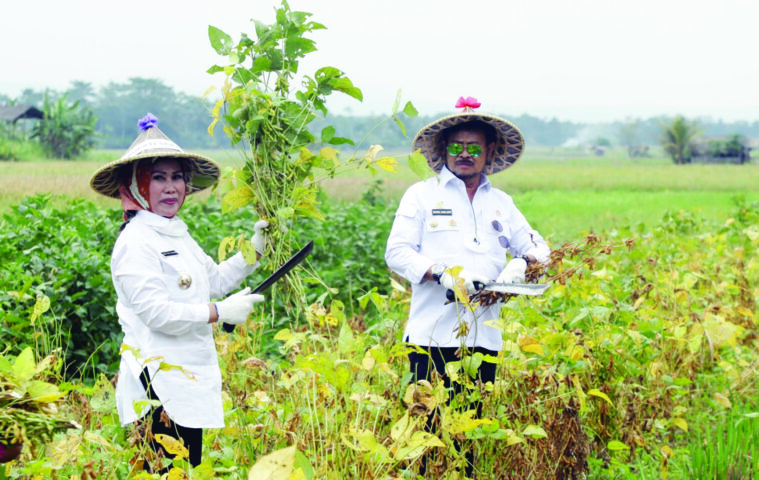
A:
(534, 431)
(203, 180)
(472, 364)
(400, 125)
(23, 367)
(261, 64)
(44, 392)
(215, 69)
(397, 101)
(616, 445)
(41, 306)
(597, 393)
(410, 110)
(236, 198)
(327, 133)
(388, 164)
(303, 467)
(343, 84)
(172, 445)
(418, 164)
(340, 141)
(220, 41)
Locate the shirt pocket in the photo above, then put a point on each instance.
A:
(442, 235)
(441, 223)
(180, 280)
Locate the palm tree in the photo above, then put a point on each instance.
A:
(677, 139)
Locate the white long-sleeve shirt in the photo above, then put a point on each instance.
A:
(165, 321)
(437, 224)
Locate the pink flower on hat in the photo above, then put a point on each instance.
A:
(468, 102)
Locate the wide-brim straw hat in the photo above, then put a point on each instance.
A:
(153, 143)
(509, 142)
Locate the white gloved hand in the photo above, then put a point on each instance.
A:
(235, 309)
(513, 272)
(449, 282)
(259, 237)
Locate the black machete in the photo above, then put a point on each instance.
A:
(281, 272)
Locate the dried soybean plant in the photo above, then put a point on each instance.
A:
(566, 261)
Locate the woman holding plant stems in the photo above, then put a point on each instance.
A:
(165, 282)
(454, 230)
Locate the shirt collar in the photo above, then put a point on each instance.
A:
(446, 176)
(173, 227)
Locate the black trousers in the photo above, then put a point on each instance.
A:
(192, 437)
(435, 358)
(438, 357)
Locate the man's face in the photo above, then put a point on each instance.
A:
(466, 165)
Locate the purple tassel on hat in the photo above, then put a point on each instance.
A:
(148, 121)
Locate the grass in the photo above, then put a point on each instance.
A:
(565, 195)
(727, 448)
(563, 192)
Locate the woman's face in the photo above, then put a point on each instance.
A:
(167, 187)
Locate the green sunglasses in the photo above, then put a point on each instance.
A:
(455, 149)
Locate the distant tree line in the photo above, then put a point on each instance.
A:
(185, 119)
(118, 106)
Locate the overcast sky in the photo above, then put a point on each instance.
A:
(580, 60)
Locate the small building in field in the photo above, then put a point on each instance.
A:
(14, 113)
(731, 149)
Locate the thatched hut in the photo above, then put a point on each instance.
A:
(14, 113)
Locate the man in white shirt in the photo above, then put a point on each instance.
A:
(454, 228)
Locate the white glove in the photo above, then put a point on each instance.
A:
(235, 308)
(259, 238)
(447, 281)
(513, 272)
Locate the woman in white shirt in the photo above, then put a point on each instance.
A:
(165, 283)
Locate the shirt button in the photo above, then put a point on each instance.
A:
(185, 280)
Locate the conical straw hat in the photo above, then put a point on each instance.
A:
(509, 142)
(153, 143)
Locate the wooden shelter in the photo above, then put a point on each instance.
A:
(729, 149)
(13, 113)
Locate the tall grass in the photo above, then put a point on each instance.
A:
(727, 449)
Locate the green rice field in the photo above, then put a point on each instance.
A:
(564, 193)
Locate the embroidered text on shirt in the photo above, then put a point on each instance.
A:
(169, 253)
(442, 211)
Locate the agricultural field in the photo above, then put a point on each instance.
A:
(640, 361)
(563, 192)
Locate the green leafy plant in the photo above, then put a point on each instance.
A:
(627, 365)
(7, 150)
(61, 254)
(28, 410)
(261, 109)
(66, 130)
